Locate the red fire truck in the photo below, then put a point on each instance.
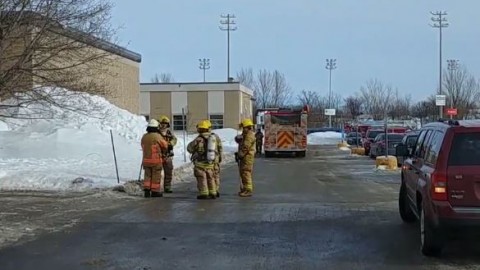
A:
(285, 131)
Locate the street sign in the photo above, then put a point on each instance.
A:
(452, 111)
(440, 100)
(329, 111)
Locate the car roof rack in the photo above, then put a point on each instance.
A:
(449, 122)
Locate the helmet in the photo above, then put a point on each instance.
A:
(153, 123)
(164, 120)
(246, 123)
(208, 123)
(203, 125)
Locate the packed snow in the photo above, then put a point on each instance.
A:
(72, 151)
(324, 138)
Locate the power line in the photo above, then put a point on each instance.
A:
(228, 24)
(440, 22)
(204, 65)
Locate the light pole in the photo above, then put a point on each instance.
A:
(204, 65)
(228, 25)
(440, 22)
(331, 65)
(452, 65)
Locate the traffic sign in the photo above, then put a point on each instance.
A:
(440, 100)
(452, 111)
(329, 111)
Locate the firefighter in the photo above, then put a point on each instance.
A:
(246, 156)
(203, 168)
(152, 147)
(259, 141)
(167, 135)
(218, 158)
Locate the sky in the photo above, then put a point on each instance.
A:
(391, 41)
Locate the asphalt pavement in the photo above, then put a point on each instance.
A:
(326, 211)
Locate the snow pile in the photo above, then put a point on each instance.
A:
(324, 138)
(74, 152)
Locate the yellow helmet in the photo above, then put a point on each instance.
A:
(164, 120)
(203, 125)
(246, 123)
(208, 123)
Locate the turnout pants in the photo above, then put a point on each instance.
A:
(246, 169)
(216, 176)
(168, 171)
(205, 181)
(153, 178)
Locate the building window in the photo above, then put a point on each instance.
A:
(217, 121)
(179, 122)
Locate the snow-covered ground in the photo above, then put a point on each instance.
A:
(324, 138)
(73, 151)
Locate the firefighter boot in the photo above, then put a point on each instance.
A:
(246, 193)
(157, 194)
(212, 196)
(202, 197)
(168, 190)
(218, 194)
(146, 193)
(242, 190)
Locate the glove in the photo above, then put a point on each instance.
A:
(236, 157)
(170, 147)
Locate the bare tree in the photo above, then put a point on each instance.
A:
(281, 91)
(162, 78)
(399, 107)
(353, 106)
(264, 88)
(376, 98)
(246, 77)
(462, 89)
(52, 44)
(425, 109)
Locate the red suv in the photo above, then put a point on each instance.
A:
(441, 182)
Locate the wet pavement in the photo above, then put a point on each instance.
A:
(326, 211)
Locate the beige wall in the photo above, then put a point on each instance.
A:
(160, 105)
(197, 108)
(125, 84)
(231, 117)
(13, 53)
(110, 75)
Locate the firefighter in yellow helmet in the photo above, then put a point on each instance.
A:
(152, 147)
(167, 135)
(218, 158)
(203, 159)
(246, 157)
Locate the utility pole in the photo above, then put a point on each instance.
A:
(331, 65)
(204, 65)
(452, 65)
(440, 22)
(227, 24)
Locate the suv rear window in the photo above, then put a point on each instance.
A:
(373, 134)
(395, 137)
(465, 150)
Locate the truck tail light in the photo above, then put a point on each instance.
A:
(439, 186)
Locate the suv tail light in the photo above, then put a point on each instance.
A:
(439, 186)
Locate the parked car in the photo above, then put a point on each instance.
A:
(409, 140)
(379, 146)
(353, 138)
(440, 183)
(369, 138)
(372, 133)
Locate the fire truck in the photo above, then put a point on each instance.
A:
(285, 131)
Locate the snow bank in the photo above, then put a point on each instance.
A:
(324, 138)
(74, 151)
